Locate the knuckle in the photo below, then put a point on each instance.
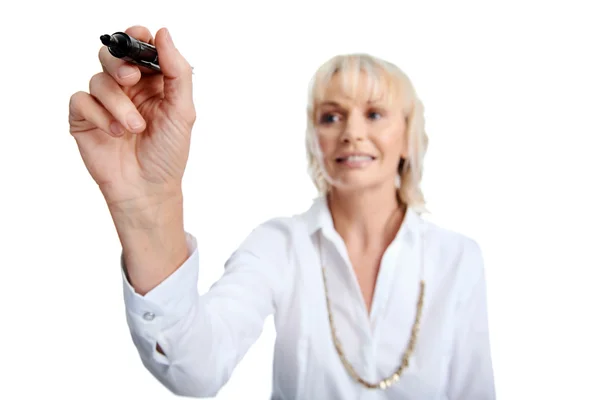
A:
(188, 69)
(183, 65)
(96, 81)
(75, 100)
(190, 116)
(77, 109)
(101, 53)
(75, 97)
(105, 58)
(140, 32)
(135, 27)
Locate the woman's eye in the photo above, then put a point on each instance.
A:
(374, 115)
(329, 118)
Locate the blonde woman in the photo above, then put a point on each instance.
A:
(370, 300)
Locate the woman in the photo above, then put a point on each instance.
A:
(368, 298)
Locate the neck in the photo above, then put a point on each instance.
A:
(366, 219)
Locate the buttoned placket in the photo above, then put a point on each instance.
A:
(369, 324)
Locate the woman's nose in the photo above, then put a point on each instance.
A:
(354, 129)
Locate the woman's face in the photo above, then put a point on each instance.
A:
(361, 139)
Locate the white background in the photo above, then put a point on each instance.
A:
(512, 95)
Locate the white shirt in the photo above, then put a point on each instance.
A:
(277, 270)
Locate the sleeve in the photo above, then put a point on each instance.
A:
(471, 372)
(203, 337)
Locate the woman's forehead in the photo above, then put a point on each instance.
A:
(357, 86)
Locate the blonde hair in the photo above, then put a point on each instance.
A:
(379, 73)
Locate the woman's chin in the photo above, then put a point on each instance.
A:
(362, 184)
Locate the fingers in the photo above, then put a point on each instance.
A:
(140, 33)
(125, 73)
(110, 95)
(176, 70)
(84, 108)
(106, 107)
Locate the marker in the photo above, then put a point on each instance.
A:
(123, 46)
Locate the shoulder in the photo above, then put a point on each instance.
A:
(455, 255)
(450, 242)
(270, 239)
(278, 238)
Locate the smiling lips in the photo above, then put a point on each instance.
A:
(355, 160)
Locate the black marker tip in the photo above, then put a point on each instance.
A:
(105, 39)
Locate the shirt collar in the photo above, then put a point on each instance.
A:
(318, 217)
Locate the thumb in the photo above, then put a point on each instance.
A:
(176, 70)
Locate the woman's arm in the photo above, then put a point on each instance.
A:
(192, 343)
(471, 372)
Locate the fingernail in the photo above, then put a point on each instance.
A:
(125, 71)
(117, 128)
(168, 37)
(134, 121)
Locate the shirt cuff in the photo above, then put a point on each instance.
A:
(173, 297)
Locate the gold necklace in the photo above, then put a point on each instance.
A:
(393, 378)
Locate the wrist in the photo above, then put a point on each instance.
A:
(148, 212)
(150, 256)
(152, 235)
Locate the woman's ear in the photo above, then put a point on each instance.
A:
(401, 165)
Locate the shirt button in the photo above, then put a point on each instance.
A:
(148, 316)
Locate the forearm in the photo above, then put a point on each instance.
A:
(152, 236)
(205, 337)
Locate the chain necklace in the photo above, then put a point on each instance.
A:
(393, 378)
